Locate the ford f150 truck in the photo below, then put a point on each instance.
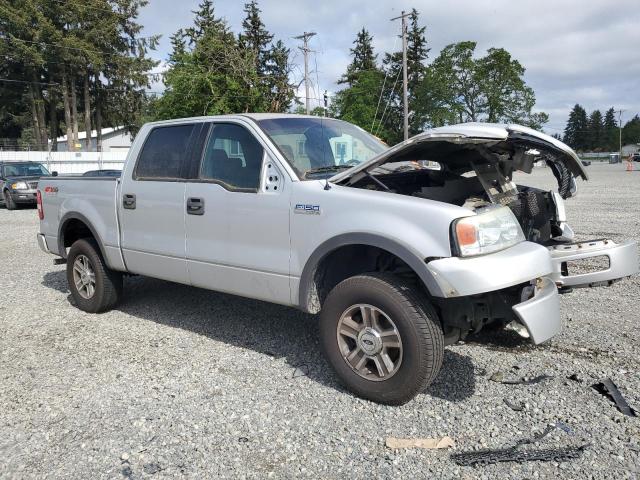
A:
(401, 250)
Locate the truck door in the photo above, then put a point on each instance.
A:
(237, 221)
(151, 205)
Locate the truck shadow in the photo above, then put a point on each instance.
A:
(272, 330)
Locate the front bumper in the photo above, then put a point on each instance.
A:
(24, 196)
(623, 262)
(460, 277)
(541, 313)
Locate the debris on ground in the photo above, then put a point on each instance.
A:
(575, 378)
(428, 443)
(516, 406)
(487, 457)
(499, 377)
(516, 454)
(609, 389)
(301, 371)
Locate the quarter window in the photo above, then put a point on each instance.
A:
(232, 157)
(164, 152)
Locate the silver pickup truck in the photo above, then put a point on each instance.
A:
(401, 250)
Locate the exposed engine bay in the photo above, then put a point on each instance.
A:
(477, 175)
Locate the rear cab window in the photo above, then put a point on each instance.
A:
(164, 153)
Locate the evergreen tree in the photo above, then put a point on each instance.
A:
(610, 130)
(576, 132)
(219, 73)
(596, 131)
(204, 21)
(255, 36)
(363, 57)
(631, 131)
(280, 91)
(363, 102)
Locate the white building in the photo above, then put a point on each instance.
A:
(629, 149)
(113, 139)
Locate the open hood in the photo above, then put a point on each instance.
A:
(459, 141)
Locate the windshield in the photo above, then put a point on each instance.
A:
(25, 170)
(320, 147)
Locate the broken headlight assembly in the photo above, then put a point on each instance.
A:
(492, 229)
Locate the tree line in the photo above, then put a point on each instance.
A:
(598, 133)
(212, 71)
(71, 65)
(455, 87)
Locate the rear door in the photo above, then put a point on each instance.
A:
(151, 204)
(237, 221)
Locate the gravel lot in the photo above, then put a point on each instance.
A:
(184, 382)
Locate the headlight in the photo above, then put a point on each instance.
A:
(492, 229)
(19, 186)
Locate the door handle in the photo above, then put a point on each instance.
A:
(195, 206)
(129, 201)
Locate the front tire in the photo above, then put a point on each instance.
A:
(94, 287)
(9, 203)
(382, 337)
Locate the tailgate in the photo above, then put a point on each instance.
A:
(593, 263)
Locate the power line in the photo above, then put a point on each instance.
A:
(388, 102)
(384, 82)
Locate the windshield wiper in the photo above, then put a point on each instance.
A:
(328, 168)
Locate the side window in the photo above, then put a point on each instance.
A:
(232, 157)
(164, 152)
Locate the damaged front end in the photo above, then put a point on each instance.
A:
(473, 166)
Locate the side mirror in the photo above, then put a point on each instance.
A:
(54, 174)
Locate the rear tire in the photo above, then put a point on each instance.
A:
(94, 286)
(400, 352)
(9, 203)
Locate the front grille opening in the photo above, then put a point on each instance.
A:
(586, 265)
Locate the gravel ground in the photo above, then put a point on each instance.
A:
(184, 382)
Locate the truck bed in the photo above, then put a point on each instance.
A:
(68, 198)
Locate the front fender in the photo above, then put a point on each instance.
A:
(411, 258)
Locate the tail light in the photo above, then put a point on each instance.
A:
(39, 201)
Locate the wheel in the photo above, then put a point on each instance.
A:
(94, 287)
(382, 337)
(9, 203)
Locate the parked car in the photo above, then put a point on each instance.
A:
(635, 157)
(19, 182)
(102, 173)
(317, 214)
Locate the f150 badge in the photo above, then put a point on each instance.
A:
(306, 209)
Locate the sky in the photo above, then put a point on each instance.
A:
(574, 51)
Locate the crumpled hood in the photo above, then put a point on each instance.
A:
(486, 134)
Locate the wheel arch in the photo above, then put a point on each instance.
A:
(311, 294)
(73, 226)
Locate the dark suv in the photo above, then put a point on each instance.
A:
(19, 182)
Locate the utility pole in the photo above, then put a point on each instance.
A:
(620, 132)
(405, 95)
(305, 50)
